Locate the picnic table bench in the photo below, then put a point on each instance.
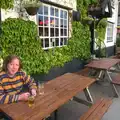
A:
(56, 92)
(97, 110)
(104, 66)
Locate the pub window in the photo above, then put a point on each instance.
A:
(110, 32)
(52, 26)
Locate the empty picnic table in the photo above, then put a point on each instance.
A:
(105, 65)
(57, 92)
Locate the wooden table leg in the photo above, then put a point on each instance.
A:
(56, 114)
(112, 85)
(88, 96)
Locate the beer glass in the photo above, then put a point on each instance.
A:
(31, 101)
(41, 88)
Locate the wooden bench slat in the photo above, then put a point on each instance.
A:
(84, 72)
(97, 110)
(89, 112)
(103, 111)
(100, 111)
(116, 79)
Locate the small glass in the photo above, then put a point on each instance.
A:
(31, 101)
(41, 88)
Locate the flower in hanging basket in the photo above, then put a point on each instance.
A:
(31, 6)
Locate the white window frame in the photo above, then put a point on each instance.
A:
(52, 39)
(110, 27)
(118, 21)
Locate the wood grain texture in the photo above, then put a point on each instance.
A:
(97, 111)
(57, 92)
(104, 64)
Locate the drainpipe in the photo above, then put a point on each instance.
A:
(0, 29)
(92, 27)
(0, 22)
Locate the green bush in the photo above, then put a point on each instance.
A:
(118, 42)
(6, 4)
(20, 37)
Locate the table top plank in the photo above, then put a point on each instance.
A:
(57, 92)
(104, 63)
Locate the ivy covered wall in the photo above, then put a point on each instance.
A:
(19, 37)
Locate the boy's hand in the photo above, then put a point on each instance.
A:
(24, 96)
(34, 93)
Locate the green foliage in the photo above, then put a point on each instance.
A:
(80, 41)
(118, 42)
(31, 3)
(6, 4)
(101, 30)
(20, 37)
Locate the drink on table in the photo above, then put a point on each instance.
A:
(41, 88)
(31, 101)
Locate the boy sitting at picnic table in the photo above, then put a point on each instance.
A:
(12, 80)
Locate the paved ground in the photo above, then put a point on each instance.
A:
(73, 110)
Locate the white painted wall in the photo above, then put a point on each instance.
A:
(12, 13)
(113, 20)
(68, 3)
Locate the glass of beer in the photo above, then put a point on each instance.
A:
(31, 101)
(41, 88)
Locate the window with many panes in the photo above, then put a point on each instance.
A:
(52, 26)
(110, 32)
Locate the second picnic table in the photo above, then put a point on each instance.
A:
(105, 65)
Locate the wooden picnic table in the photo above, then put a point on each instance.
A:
(57, 92)
(105, 65)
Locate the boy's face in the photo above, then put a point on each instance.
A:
(13, 66)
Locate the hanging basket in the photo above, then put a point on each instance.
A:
(94, 10)
(32, 10)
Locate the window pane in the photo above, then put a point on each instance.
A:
(40, 31)
(61, 32)
(56, 12)
(65, 23)
(40, 20)
(52, 42)
(65, 14)
(52, 22)
(40, 11)
(56, 32)
(57, 42)
(65, 41)
(46, 31)
(51, 32)
(45, 10)
(61, 13)
(56, 22)
(110, 32)
(65, 32)
(51, 11)
(61, 41)
(47, 42)
(45, 21)
(61, 23)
